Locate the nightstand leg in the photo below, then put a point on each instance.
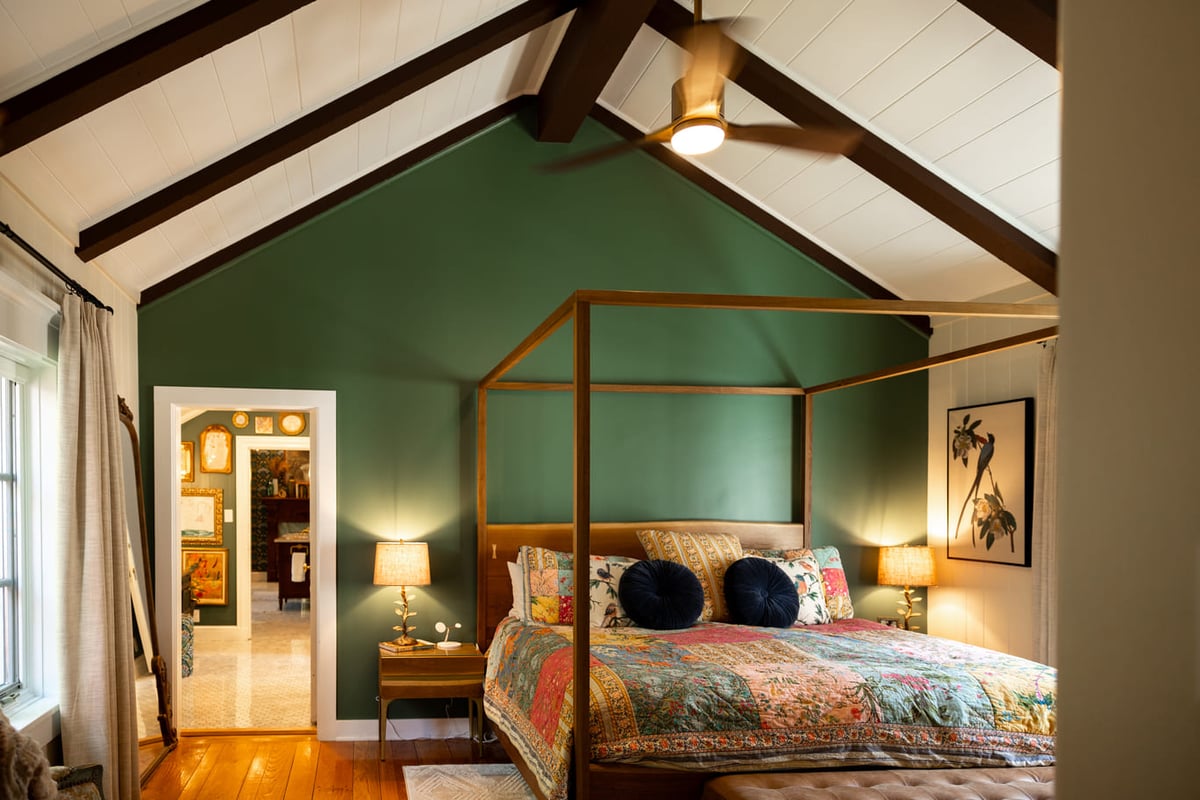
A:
(383, 709)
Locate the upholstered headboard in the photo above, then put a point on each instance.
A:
(498, 544)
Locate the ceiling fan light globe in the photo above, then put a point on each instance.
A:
(697, 136)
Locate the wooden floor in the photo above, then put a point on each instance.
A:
(298, 767)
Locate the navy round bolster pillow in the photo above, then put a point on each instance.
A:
(661, 595)
(758, 592)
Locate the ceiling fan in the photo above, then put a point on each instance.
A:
(698, 123)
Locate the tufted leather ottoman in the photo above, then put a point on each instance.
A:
(1000, 783)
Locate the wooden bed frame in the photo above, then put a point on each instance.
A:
(497, 544)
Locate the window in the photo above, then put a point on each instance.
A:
(28, 609)
(12, 479)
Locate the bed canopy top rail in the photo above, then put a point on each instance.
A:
(577, 308)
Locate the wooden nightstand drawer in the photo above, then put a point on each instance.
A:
(423, 674)
(462, 661)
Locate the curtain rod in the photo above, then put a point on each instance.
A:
(72, 285)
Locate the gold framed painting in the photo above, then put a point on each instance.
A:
(216, 449)
(240, 419)
(187, 461)
(292, 423)
(200, 516)
(264, 425)
(209, 570)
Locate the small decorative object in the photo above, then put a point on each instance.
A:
(187, 461)
(240, 419)
(908, 567)
(402, 564)
(209, 570)
(445, 643)
(989, 501)
(264, 425)
(200, 515)
(291, 423)
(216, 449)
(891, 622)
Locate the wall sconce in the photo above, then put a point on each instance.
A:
(402, 564)
(908, 567)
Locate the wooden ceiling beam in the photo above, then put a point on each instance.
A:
(958, 210)
(1033, 24)
(597, 38)
(144, 58)
(316, 125)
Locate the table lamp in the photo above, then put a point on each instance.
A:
(908, 567)
(402, 564)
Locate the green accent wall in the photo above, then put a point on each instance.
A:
(403, 298)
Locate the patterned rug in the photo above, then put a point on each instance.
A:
(466, 782)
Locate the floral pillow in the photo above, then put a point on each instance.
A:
(707, 555)
(549, 584)
(833, 576)
(805, 574)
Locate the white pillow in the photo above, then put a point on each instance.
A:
(518, 592)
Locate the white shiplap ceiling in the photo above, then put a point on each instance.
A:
(929, 77)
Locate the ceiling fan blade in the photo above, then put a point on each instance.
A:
(601, 153)
(840, 141)
(715, 57)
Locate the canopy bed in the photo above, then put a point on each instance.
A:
(593, 761)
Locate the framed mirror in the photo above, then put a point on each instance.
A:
(154, 706)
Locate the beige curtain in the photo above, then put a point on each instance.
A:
(1045, 512)
(98, 705)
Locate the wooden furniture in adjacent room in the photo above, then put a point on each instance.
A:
(432, 673)
(280, 510)
(293, 585)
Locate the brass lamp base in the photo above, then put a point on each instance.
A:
(906, 609)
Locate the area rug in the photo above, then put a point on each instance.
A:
(466, 782)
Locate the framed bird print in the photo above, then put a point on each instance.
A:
(989, 473)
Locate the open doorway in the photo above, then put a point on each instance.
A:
(247, 647)
(320, 408)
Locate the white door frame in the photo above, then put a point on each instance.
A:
(241, 468)
(321, 406)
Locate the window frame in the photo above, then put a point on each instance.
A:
(34, 710)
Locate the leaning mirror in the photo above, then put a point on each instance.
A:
(156, 724)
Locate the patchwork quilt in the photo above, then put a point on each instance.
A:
(728, 698)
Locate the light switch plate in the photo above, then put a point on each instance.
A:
(229, 515)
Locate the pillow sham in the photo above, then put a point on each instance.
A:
(707, 555)
(833, 576)
(758, 592)
(548, 586)
(662, 595)
(804, 574)
(520, 606)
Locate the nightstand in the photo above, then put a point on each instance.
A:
(421, 674)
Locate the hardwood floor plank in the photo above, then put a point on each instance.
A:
(432, 751)
(302, 778)
(270, 770)
(367, 772)
(335, 771)
(234, 767)
(298, 767)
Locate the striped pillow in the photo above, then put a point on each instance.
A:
(707, 555)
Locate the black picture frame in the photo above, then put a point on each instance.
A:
(989, 507)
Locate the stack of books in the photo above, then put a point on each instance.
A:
(392, 647)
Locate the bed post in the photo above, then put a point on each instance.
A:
(582, 394)
(481, 632)
(807, 459)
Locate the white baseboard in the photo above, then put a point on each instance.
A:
(367, 730)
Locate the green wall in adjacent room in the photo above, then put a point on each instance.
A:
(403, 298)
